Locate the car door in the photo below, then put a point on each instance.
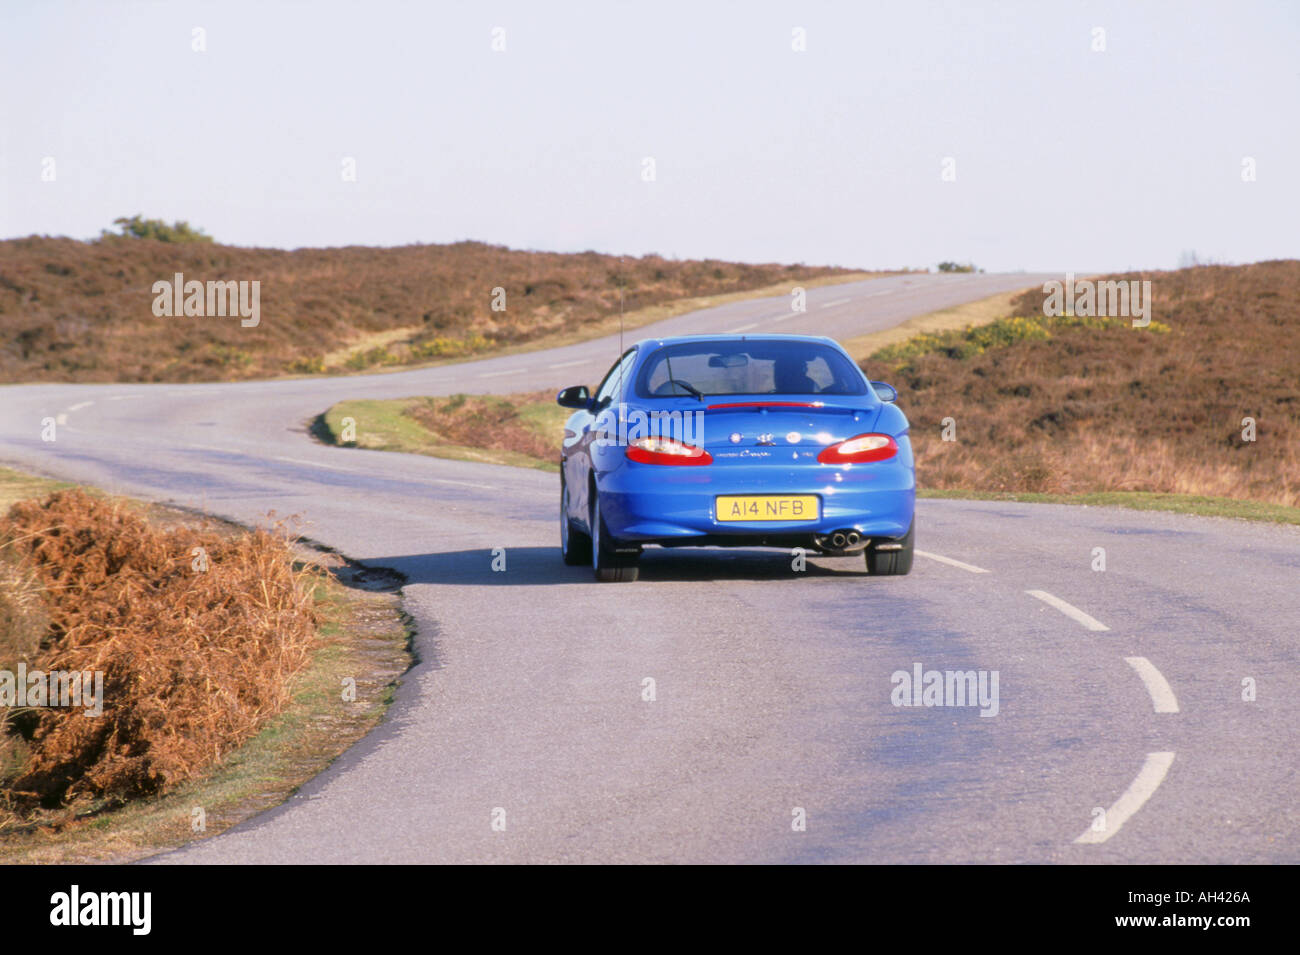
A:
(577, 462)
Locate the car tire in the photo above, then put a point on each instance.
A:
(608, 565)
(892, 563)
(575, 545)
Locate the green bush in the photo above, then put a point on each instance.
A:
(975, 340)
(448, 347)
(312, 365)
(362, 360)
(138, 227)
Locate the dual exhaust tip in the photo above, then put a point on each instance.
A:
(846, 540)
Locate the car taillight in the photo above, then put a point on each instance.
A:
(666, 451)
(860, 450)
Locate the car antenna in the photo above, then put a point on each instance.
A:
(622, 282)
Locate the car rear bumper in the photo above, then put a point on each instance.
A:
(655, 504)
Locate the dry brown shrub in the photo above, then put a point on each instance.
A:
(23, 624)
(194, 662)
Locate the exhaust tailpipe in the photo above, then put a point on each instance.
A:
(841, 542)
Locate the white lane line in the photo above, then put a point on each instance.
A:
(950, 562)
(498, 374)
(316, 464)
(838, 301)
(61, 418)
(209, 447)
(1162, 695)
(743, 328)
(1139, 791)
(124, 397)
(1071, 611)
(486, 487)
(79, 405)
(571, 364)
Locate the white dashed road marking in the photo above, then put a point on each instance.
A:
(1071, 611)
(1162, 695)
(316, 464)
(498, 374)
(80, 404)
(1139, 791)
(952, 563)
(838, 301)
(570, 364)
(743, 328)
(490, 487)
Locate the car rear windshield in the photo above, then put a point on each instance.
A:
(749, 368)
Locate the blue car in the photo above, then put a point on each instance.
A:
(735, 441)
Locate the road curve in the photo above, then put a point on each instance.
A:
(771, 736)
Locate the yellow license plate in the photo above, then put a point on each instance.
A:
(768, 507)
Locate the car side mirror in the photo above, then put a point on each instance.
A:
(576, 397)
(887, 393)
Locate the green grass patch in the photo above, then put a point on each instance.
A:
(16, 486)
(1141, 501)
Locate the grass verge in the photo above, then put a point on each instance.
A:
(1138, 501)
(522, 430)
(16, 486)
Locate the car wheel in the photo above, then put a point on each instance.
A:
(608, 565)
(575, 546)
(892, 557)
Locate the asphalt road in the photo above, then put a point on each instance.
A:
(772, 687)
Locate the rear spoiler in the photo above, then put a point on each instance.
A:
(768, 404)
(761, 403)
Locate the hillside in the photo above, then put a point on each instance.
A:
(1064, 406)
(84, 311)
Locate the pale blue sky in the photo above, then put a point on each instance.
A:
(1065, 158)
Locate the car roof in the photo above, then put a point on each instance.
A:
(687, 339)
